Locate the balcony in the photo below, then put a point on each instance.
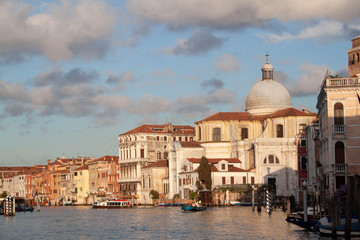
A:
(129, 180)
(339, 129)
(340, 168)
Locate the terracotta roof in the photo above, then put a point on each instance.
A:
(236, 169)
(215, 160)
(214, 169)
(14, 169)
(162, 129)
(160, 163)
(289, 112)
(107, 158)
(190, 145)
(245, 116)
(82, 168)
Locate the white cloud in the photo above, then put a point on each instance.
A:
(310, 81)
(237, 14)
(64, 30)
(323, 30)
(228, 63)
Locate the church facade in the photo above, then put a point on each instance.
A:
(263, 137)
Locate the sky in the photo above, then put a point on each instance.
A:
(76, 74)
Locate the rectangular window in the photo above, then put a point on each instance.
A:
(244, 133)
(252, 180)
(216, 135)
(165, 138)
(222, 166)
(232, 180)
(223, 180)
(303, 143)
(179, 181)
(142, 153)
(303, 163)
(244, 180)
(279, 131)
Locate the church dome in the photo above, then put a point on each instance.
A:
(267, 96)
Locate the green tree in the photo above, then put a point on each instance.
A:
(205, 173)
(154, 194)
(193, 195)
(3, 195)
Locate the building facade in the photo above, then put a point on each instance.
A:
(339, 116)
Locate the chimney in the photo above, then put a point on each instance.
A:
(48, 161)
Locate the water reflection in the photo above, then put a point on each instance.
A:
(145, 223)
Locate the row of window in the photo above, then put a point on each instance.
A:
(352, 59)
(158, 138)
(245, 132)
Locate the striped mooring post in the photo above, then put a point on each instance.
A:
(268, 202)
(9, 206)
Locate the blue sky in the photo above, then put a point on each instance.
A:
(76, 74)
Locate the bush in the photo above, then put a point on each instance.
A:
(154, 194)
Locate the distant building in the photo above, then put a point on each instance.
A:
(144, 145)
(339, 116)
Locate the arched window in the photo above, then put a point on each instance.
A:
(244, 133)
(279, 131)
(339, 153)
(271, 159)
(338, 114)
(216, 134)
(158, 155)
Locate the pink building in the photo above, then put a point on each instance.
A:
(339, 116)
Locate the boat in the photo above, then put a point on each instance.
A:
(23, 208)
(193, 208)
(236, 203)
(114, 203)
(325, 227)
(303, 224)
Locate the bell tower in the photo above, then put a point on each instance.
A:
(354, 58)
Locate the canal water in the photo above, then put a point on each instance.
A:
(150, 223)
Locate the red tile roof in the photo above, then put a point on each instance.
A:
(179, 129)
(82, 168)
(245, 116)
(160, 163)
(215, 160)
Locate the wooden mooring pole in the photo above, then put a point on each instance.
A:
(349, 206)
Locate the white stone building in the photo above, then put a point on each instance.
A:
(263, 137)
(143, 145)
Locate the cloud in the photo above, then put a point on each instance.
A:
(324, 31)
(200, 42)
(58, 77)
(239, 14)
(61, 30)
(212, 84)
(121, 80)
(310, 81)
(228, 63)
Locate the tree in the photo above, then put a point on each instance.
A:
(3, 195)
(154, 194)
(205, 173)
(193, 194)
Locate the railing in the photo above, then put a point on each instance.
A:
(125, 180)
(340, 168)
(336, 82)
(339, 129)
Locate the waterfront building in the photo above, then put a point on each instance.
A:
(143, 145)
(263, 137)
(155, 176)
(338, 107)
(81, 185)
(225, 173)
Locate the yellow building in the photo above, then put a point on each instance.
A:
(82, 185)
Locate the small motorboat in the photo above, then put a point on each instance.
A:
(193, 208)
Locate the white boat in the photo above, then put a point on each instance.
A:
(114, 203)
(325, 227)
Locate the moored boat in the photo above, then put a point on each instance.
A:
(303, 224)
(115, 203)
(325, 227)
